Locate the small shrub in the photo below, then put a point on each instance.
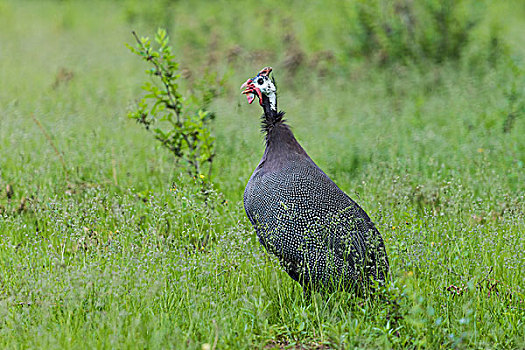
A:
(515, 97)
(157, 12)
(406, 30)
(181, 124)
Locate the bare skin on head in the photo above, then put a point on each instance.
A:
(261, 84)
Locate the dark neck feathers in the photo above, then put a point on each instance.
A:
(281, 144)
(271, 118)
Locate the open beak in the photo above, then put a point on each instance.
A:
(246, 83)
(251, 91)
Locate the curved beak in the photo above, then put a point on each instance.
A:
(249, 81)
(251, 91)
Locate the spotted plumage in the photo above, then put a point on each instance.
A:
(321, 237)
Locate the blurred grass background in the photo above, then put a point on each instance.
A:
(420, 125)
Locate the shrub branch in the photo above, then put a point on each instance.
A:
(182, 125)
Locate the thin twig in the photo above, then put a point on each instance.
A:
(37, 122)
(210, 161)
(114, 166)
(486, 276)
(455, 273)
(216, 340)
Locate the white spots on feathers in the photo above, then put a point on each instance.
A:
(318, 233)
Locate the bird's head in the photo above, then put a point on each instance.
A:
(261, 86)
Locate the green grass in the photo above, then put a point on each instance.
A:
(118, 250)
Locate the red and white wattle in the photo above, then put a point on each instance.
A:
(249, 96)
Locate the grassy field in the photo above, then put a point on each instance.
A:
(105, 243)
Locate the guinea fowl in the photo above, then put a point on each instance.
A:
(322, 238)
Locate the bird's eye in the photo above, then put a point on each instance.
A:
(260, 81)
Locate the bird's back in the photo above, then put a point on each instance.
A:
(319, 234)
